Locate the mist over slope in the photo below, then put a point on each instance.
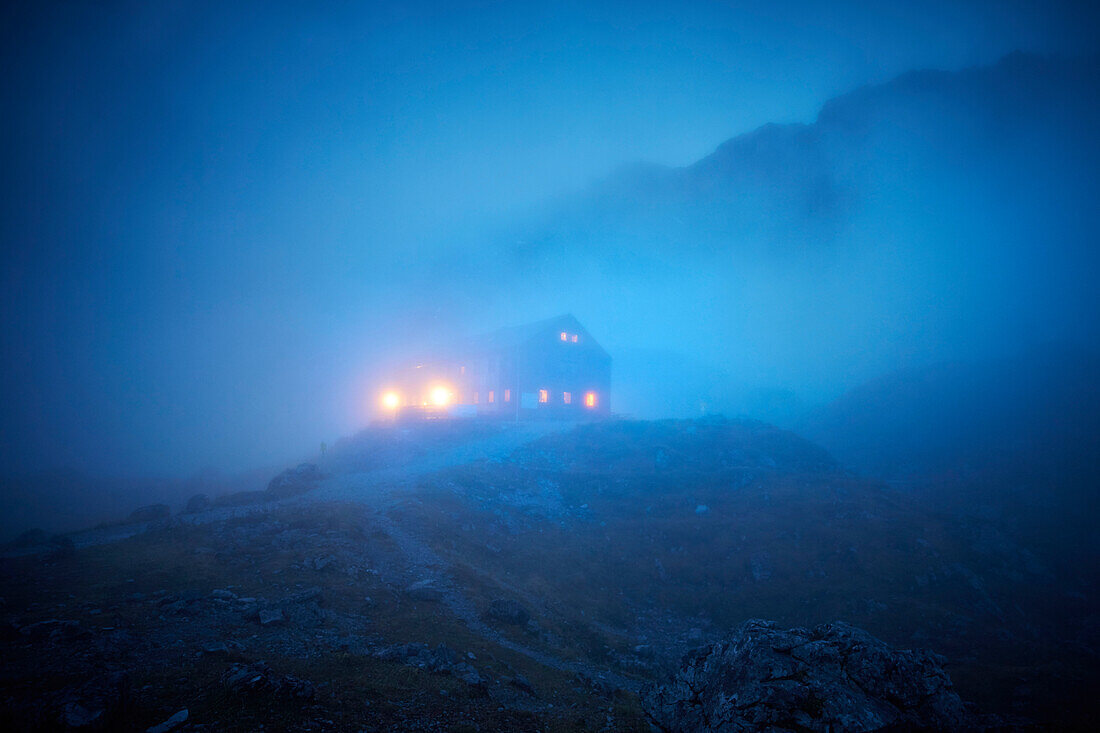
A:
(1015, 441)
(940, 215)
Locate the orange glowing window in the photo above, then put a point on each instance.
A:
(491, 396)
(564, 336)
(590, 399)
(574, 338)
(567, 397)
(544, 396)
(507, 395)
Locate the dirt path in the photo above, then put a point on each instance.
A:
(378, 490)
(427, 564)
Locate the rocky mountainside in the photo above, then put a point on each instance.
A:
(832, 678)
(463, 576)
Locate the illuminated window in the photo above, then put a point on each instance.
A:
(491, 396)
(564, 336)
(507, 395)
(567, 397)
(574, 338)
(590, 399)
(544, 396)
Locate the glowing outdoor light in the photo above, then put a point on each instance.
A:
(391, 400)
(441, 396)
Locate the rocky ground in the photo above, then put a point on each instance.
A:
(549, 579)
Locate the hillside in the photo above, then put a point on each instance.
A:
(560, 570)
(1012, 440)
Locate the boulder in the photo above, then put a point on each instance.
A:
(834, 678)
(508, 612)
(171, 724)
(294, 481)
(197, 503)
(269, 616)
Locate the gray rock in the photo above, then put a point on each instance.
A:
(521, 683)
(172, 723)
(323, 562)
(312, 593)
(257, 677)
(834, 678)
(75, 716)
(269, 616)
(468, 674)
(294, 481)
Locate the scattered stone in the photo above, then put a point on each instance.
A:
(312, 593)
(441, 660)
(323, 562)
(225, 595)
(468, 674)
(172, 723)
(522, 684)
(269, 616)
(702, 509)
(508, 612)
(834, 678)
(258, 677)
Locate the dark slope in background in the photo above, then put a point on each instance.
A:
(938, 216)
(1015, 441)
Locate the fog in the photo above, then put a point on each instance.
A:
(219, 222)
(615, 366)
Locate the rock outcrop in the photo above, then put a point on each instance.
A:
(833, 678)
(294, 481)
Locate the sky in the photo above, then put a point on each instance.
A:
(210, 209)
